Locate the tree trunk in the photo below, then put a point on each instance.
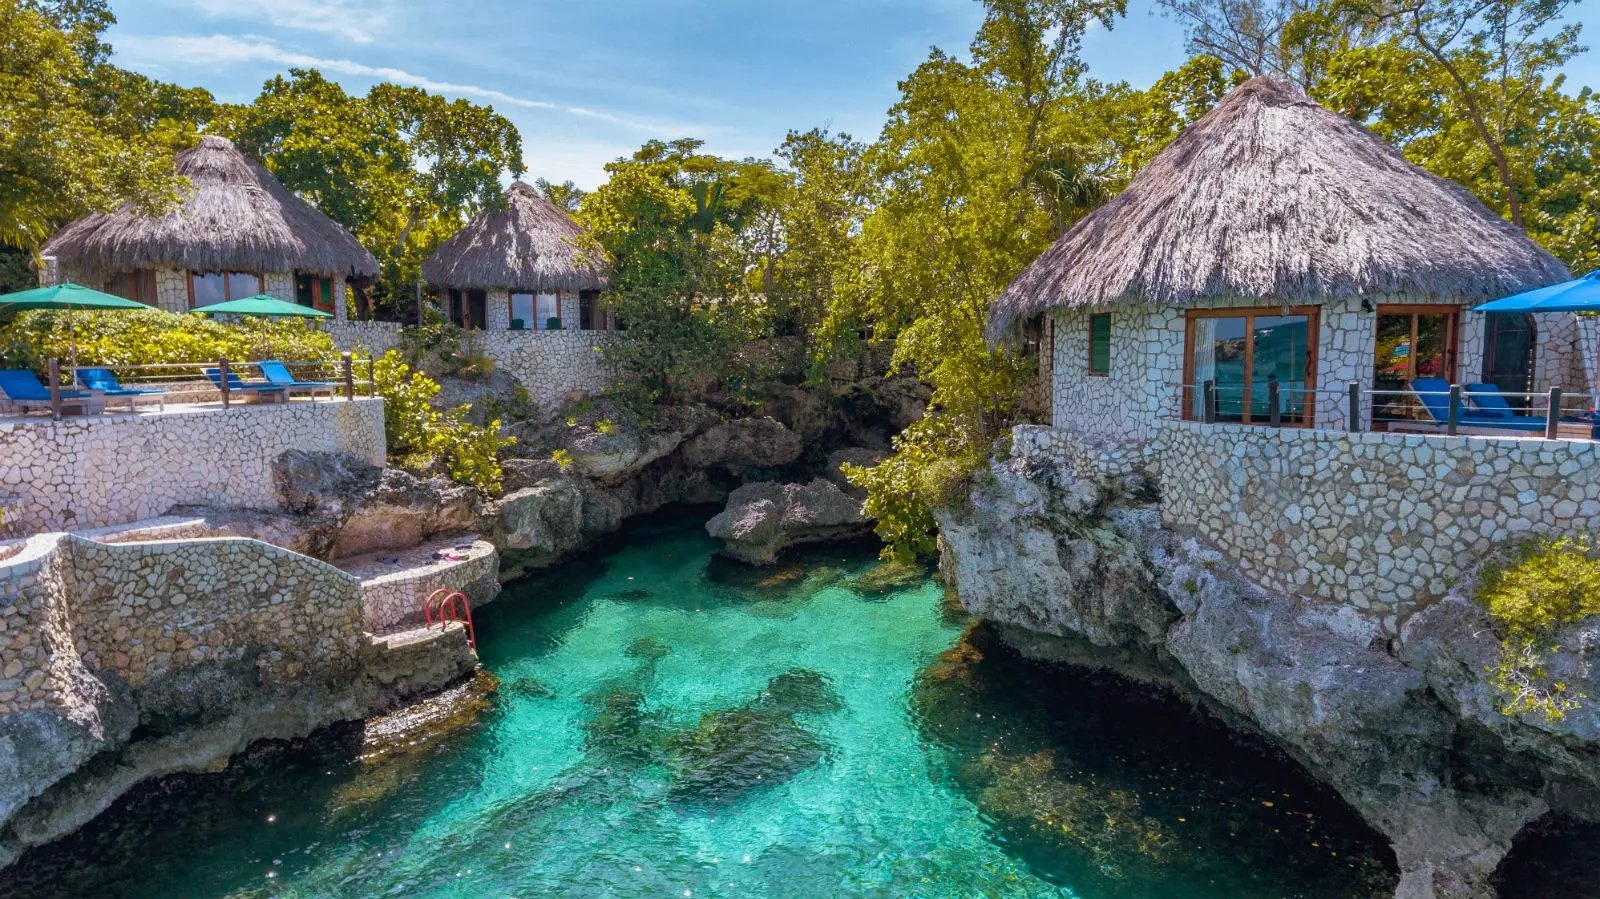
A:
(363, 307)
(1476, 114)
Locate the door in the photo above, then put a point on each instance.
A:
(1509, 347)
(1243, 353)
(1412, 342)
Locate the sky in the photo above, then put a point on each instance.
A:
(587, 81)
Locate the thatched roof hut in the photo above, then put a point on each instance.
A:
(234, 217)
(530, 244)
(1271, 196)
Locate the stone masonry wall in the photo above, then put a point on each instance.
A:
(1147, 347)
(1382, 522)
(548, 364)
(93, 471)
(140, 613)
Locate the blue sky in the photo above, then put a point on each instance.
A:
(586, 81)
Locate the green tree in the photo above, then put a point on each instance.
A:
(956, 211)
(400, 167)
(78, 135)
(566, 195)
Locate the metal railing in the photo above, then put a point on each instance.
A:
(1564, 415)
(172, 380)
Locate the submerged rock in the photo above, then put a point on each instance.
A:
(763, 519)
(1080, 570)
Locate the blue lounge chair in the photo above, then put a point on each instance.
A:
(1487, 398)
(23, 389)
(262, 393)
(277, 373)
(1433, 393)
(103, 381)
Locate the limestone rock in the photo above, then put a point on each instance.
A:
(763, 519)
(744, 443)
(360, 508)
(854, 455)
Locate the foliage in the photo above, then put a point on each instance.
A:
(151, 336)
(670, 221)
(77, 134)
(1548, 584)
(418, 434)
(566, 195)
(400, 167)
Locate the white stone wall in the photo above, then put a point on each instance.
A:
(341, 297)
(279, 285)
(172, 289)
(548, 364)
(497, 310)
(1382, 522)
(99, 470)
(1147, 346)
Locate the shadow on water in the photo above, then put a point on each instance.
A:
(1124, 791)
(1554, 858)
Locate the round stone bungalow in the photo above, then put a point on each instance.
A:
(1275, 240)
(520, 269)
(235, 233)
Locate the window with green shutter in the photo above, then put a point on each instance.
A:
(1100, 344)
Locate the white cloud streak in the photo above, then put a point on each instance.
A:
(359, 21)
(221, 50)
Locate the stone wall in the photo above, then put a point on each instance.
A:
(93, 471)
(1382, 522)
(548, 364)
(1147, 348)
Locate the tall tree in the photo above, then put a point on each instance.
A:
(76, 134)
(566, 195)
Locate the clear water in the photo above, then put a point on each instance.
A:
(668, 724)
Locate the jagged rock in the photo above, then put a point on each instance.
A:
(1077, 569)
(482, 396)
(853, 455)
(545, 520)
(519, 474)
(359, 508)
(763, 519)
(744, 443)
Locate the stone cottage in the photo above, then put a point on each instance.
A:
(235, 233)
(520, 269)
(1277, 241)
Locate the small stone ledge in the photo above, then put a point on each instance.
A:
(393, 591)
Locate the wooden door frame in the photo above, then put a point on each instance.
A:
(1313, 315)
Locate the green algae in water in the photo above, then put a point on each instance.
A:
(666, 724)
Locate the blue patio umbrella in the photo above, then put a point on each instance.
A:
(1578, 295)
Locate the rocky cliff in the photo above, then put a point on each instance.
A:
(1076, 567)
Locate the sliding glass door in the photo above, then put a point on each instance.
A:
(1242, 353)
(1412, 342)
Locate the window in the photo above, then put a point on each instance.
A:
(1412, 342)
(1100, 344)
(591, 315)
(210, 288)
(1242, 353)
(314, 291)
(468, 308)
(548, 313)
(522, 312)
(139, 286)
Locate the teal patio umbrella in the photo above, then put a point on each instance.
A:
(66, 297)
(261, 304)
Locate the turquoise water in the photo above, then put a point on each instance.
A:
(668, 724)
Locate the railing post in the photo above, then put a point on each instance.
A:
(1273, 414)
(1208, 395)
(372, 377)
(349, 378)
(222, 380)
(1552, 415)
(55, 389)
(1355, 407)
(1453, 419)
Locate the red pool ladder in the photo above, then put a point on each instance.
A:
(446, 598)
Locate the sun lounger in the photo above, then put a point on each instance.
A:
(24, 391)
(261, 393)
(102, 381)
(1433, 394)
(1488, 401)
(277, 373)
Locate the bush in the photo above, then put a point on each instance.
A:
(151, 336)
(418, 434)
(1547, 585)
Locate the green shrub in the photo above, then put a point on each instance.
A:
(151, 336)
(418, 433)
(1546, 585)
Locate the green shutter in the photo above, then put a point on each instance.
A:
(1100, 344)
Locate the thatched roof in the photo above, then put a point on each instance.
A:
(233, 217)
(1270, 196)
(530, 244)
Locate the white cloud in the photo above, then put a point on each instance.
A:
(221, 50)
(354, 20)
